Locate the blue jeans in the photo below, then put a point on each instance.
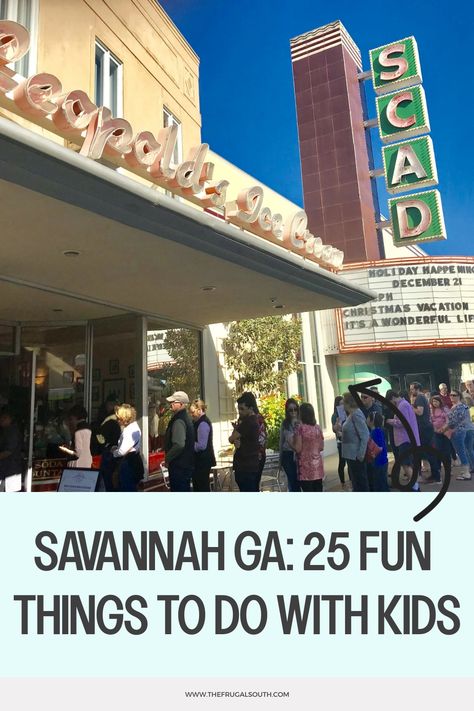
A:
(443, 445)
(463, 441)
(377, 476)
(180, 477)
(288, 463)
(358, 475)
(426, 438)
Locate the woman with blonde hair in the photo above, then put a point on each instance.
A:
(204, 458)
(128, 448)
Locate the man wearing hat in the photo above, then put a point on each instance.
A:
(179, 443)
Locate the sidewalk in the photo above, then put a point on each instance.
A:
(331, 479)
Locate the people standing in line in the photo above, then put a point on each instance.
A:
(11, 462)
(389, 435)
(470, 403)
(130, 470)
(469, 387)
(400, 434)
(337, 420)
(80, 448)
(370, 405)
(245, 438)
(355, 435)
(442, 432)
(107, 431)
(179, 443)
(444, 395)
(308, 443)
(378, 469)
(153, 427)
(425, 428)
(459, 420)
(287, 453)
(262, 436)
(204, 457)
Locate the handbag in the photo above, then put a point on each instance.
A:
(372, 452)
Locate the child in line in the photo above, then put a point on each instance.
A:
(377, 470)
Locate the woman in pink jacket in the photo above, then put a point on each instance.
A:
(308, 443)
(442, 433)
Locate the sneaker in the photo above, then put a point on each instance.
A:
(431, 480)
(464, 477)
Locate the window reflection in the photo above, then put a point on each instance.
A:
(59, 383)
(173, 363)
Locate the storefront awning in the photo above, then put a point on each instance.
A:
(139, 251)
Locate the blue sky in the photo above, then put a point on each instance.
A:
(247, 99)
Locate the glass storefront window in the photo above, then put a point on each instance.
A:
(173, 363)
(7, 339)
(114, 363)
(59, 383)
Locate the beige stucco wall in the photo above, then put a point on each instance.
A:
(239, 180)
(159, 66)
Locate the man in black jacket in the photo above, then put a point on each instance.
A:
(179, 443)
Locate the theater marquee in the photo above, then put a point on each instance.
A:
(421, 303)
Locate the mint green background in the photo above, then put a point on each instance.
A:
(404, 110)
(270, 654)
(347, 374)
(433, 232)
(408, 54)
(421, 148)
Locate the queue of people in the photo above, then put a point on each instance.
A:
(444, 422)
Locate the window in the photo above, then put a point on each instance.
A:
(25, 12)
(108, 80)
(170, 120)
(174, 362)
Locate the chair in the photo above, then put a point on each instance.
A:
(271, 473)
(165, 475)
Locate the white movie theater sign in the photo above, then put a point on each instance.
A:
(419, 303)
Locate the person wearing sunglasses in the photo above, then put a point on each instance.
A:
(459, 420)
(287, 453)
(337, 420)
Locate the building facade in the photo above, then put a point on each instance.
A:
(122, 237)
(421, 324)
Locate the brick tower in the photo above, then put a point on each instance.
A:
(334, 156)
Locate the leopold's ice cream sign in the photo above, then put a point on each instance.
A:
(73, 116)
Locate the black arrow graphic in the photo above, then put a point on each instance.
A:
(417, 451)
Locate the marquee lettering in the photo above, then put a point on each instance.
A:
(392, 107)
(14, 44)
(402, 214)
(407, 163)
(73, 113)
(38, 94)
(400, 63)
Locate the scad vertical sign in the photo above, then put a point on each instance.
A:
(408, 156)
